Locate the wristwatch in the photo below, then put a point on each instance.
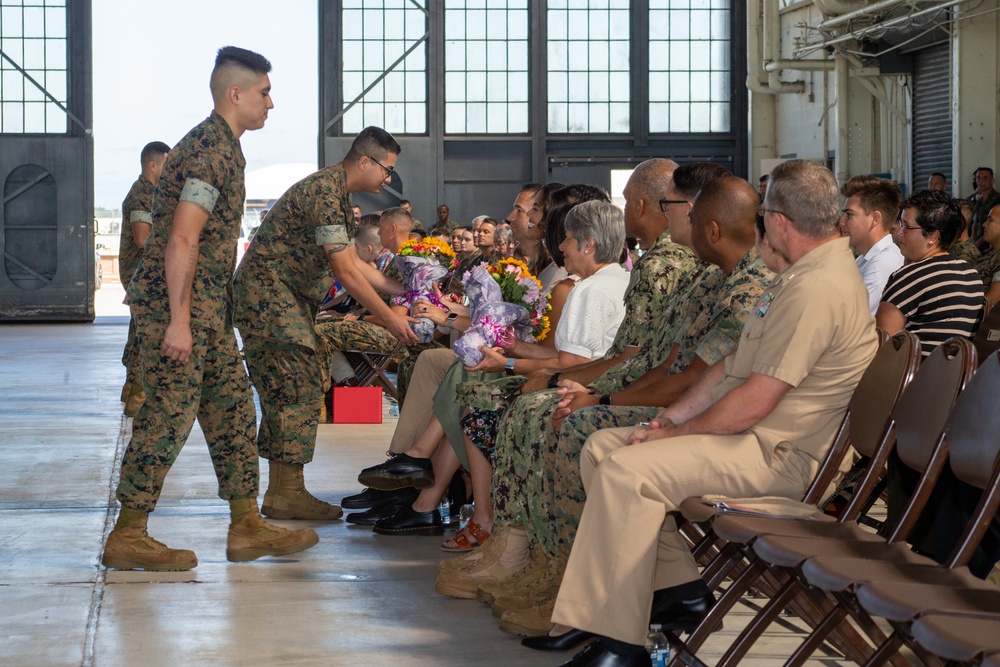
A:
(554, 381)
(508, 367)
(451, 318)
(604, 400)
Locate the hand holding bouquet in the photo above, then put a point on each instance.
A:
(423, 263)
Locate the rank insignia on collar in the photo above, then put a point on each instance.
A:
(764, 304)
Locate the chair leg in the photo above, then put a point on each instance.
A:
(738, 649)
(815, 639)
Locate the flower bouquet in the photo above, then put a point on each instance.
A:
(422, 263)
(505, 301)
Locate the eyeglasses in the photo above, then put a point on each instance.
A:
(761, 211)
(903, 228)
(665, 203)
(388, 170)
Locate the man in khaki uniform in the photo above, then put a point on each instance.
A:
(137, 225)
(306, 241)
(757, 423)
(191, 365)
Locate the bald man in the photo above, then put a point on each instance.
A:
(722, 234)
(192, 366)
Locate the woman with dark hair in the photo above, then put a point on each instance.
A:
(934, 296)
(529, 236)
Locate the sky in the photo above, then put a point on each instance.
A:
(152, 62)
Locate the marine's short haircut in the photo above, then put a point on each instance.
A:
(373, 142)
(152, 150)
(369, 219)
(368, 235)
(689, 178)
(579, 192)
(232, 59)
(649, 180)
(400, 217)
(876, 194)
(807, 194)
(989, 169)
(938, 173)
(763, 179)
(936, 212)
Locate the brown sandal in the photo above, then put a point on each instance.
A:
(466, 539)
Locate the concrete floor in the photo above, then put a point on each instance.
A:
(355, 599)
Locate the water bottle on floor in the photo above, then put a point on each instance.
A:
(657, 646)
(444, 509)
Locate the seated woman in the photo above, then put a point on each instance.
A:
(934, 295)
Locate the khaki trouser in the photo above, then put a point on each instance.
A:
(628, 545)
(426, 378)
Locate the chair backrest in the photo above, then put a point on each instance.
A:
(987, 338)
(920, 419)
(867, 419)
(973, 437)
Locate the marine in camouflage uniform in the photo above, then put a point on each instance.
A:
(988, 266)
(719, 307)
(136, 208)
(206, 169)
(662, 271)
(277, 290)
(966, 250)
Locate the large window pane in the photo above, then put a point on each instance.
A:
(486, 67)
(34, 38)
(376, 34)
(588, 67)
(689, 66)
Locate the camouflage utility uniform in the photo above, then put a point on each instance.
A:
(966, 250)
(137, 208)
(988, 266)
(280, 284)
(525, 429)
(718, 308)
(206, 169)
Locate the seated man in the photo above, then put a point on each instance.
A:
(871, 209)
(757, 423)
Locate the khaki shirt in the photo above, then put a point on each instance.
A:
(205, 168)
(812, 329)
(285, 274)
(137, 207)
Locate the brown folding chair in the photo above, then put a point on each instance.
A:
(369, 368)
(987, 338)
(865, 426)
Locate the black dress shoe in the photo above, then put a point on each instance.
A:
(375, 498)
(406, 521)
(370, 517)
(564, 642)
(399, 472)
(597, 655)
(682, 615)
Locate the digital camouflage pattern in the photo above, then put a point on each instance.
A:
(288, 380)
(206, 168)
(988, 266)
(653, 279)
(211, 386)
(966, 250)
(717, 308)
(136, 208)
(285, 275)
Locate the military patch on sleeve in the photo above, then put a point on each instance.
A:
(333, 235)
(141, 216)
(200, 193)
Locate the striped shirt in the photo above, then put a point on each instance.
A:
(940, 297)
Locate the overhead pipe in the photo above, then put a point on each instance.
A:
(843, 130)
(865, 10)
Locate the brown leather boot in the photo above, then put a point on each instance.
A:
(250, 537)
(135, 400)
(287, 498)
(486, 593)
(539, 590)
(129, 547)
(529, 622)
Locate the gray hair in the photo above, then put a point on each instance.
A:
(368, 235)
(807, 194)
(502, 235)
(602, 222)
(399, 216)
(651, 178)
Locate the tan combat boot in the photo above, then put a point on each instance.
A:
(250, 537)
(129, 547)
(487, 592)
(529, 622)
(508, 555)
(135, 400)
(498, 536)
(538, 591)
(126, 391)
(287, 498)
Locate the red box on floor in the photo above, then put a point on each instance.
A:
(357, 405)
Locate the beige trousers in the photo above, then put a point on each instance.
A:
(628, 545)
(428, 372)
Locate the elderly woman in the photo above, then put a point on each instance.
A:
(934, 296)
(503, 242)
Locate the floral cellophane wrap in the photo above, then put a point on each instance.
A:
(504, 300)
(423, 263)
